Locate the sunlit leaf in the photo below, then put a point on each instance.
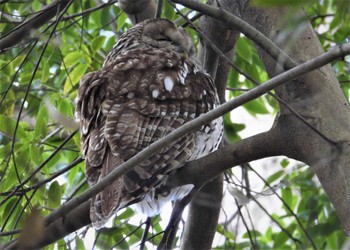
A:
(284, 163)
(45, 73)
(256, 106)
(98, 42)
(243, 50)
(272, 178)
(74, 77)
(71, 59)
(287, 196)
(79, 243)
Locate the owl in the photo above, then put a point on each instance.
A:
(149, 85)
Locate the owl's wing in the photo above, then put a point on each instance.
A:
(136, 99)
(99, 161)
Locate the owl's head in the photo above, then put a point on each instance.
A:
(156, 33)
(162, 33)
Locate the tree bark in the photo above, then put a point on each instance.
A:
(203, 216)
(205, 207)
(318, 98)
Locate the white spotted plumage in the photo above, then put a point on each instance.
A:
(168, 83)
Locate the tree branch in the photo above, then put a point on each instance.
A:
(249, 31)
(203, 216)
(319, 99)
(25, 29)
(253, 148)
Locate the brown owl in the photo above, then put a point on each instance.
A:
(148, 86)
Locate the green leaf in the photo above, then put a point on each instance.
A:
(231, 128)
(244, 50)
(110, 43)
(17, 61)
(35, 154)
(8, 104)
(40, 128)
(14, 208)
(279, 240)
(45, 74)
(72, 175)
(284, 163)
(4, 152)
(256, 106)
(65, 107)
(54, 195)
(252, 232)
(106, 16)
(287, 196)
(126, 214)
(275, 176)
(98, 42)
(36, 5)
(341, 34)
(79, 244)
(8, 125)
(121, 20)
(71, 59)
(74, 77)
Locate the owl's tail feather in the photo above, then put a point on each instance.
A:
(107, 203)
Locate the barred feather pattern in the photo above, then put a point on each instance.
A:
(145, 90)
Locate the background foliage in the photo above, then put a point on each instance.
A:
(40, 163)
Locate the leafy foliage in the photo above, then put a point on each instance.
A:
(39, 164)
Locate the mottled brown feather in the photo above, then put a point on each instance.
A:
(146, 89)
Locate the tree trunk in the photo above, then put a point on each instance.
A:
(318, 98)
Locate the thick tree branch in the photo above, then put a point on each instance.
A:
(249, 31)
(74, 220)
(253, 148)
(203, 216)
(319, 99)
(25, 29)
